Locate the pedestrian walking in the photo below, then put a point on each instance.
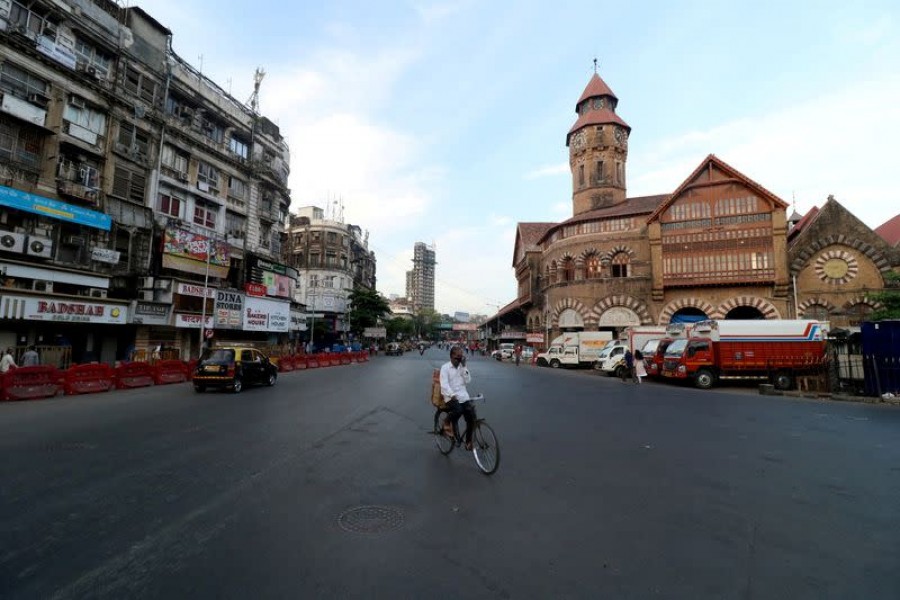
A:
(30, 358)
(7, 362)
(639, 370)
(628, 371)
(518, 353)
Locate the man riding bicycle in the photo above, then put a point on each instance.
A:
(454, 377)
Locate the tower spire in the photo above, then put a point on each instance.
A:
(595, 65)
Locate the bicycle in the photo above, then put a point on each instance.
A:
(484, 441)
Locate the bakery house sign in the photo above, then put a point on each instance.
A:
(266, 315)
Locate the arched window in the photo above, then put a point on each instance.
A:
(816, 312)
(619, 264)
(592, 267)
(568, 269)
(858, 313)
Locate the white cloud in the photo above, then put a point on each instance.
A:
(840, 143)
(549, 171)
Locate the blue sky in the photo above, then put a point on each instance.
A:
(445, 122)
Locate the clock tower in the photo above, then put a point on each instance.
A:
(598, 149)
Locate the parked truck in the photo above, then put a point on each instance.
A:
(612, 358)
(654, 351)
(771, 350)
(576, 349)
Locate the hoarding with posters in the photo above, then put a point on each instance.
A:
(186, 251)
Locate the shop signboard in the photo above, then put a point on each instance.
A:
(106, 255)
(56, 309)
(298, 321)
(279, 280)
(53, 209)
(229, 309)
(261, 314)
(150, 313)
(255, 289)
(192, 321)
(198, 291)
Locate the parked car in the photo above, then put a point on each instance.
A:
(393, 349)
(528, 353)
(233, 367)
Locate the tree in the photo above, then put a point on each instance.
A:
(400, 327)
(889, 298)
(366, 308)
(426, 323)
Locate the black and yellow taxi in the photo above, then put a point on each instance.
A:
(233, 367)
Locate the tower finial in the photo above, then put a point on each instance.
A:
(595, 65)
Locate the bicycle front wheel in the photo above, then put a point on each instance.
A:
(443, 442)
(487, 448)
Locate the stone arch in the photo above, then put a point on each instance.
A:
(862, 300)
(616, 249)
(568, 304)
(767, 309)
(864, 248)
(665, 317)
(854, 317)
(562, 271)
(633, 304)
(586, 257)
(814, 302)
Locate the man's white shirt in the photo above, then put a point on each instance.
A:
(453, 382)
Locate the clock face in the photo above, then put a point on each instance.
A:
(598, 103)
(620, 135)
(578, 140)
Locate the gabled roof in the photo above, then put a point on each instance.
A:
(804, 222)
(595, 87)
(603, 116)
(890, 231)
(708, 163)
(528, 235)
(640, 205)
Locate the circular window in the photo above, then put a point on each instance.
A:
(836, 266)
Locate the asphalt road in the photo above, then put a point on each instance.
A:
(328, 486)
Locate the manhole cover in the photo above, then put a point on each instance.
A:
(370, 519)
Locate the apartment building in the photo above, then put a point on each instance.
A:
(332, 258)
(139, 202)
(420, 280)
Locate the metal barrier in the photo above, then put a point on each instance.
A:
(28, 383)
(133, 375)
(88, 379)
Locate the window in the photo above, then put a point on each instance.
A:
(238, 146)
(170, 205)
(568, 270)
(313, 281)
(620, 173)
(213, 131)
(619, 264)
(140, 85)
(209, 175)
(133, 140)
(236, 188)
(91, 56)
(235, 224)
(581, 175)
(82, 171)
(205, 213)
(20, 144)
(331, 237)
(129, 183)
(88, 119)
(593, 267)
(314, 260)
(174, 159)
(599, 171)
(816, 312)
(20, 82)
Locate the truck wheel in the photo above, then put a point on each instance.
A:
(619, 372)
(783, 380)
(554, 364)
(704, 379)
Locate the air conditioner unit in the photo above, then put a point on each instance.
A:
(39, 246)
(74, 240)
(182, 177)
(98, 293)
(147, 295)
(203, 186)
(11, 241)
(147, 283)
(37, 99)
(40, 285)
(163, 284)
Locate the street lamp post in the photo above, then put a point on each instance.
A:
(499, 321)
(205, 292)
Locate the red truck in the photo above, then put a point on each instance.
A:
(772, 350)
(654, 350)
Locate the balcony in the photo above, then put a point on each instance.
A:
(76, 190)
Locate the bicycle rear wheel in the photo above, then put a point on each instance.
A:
(441, 440)
(487, 448)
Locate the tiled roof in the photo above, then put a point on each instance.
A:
(890, 231)
(640, 205)
(531, 233)
(804, 222)
(603, 116)
(595, 87)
